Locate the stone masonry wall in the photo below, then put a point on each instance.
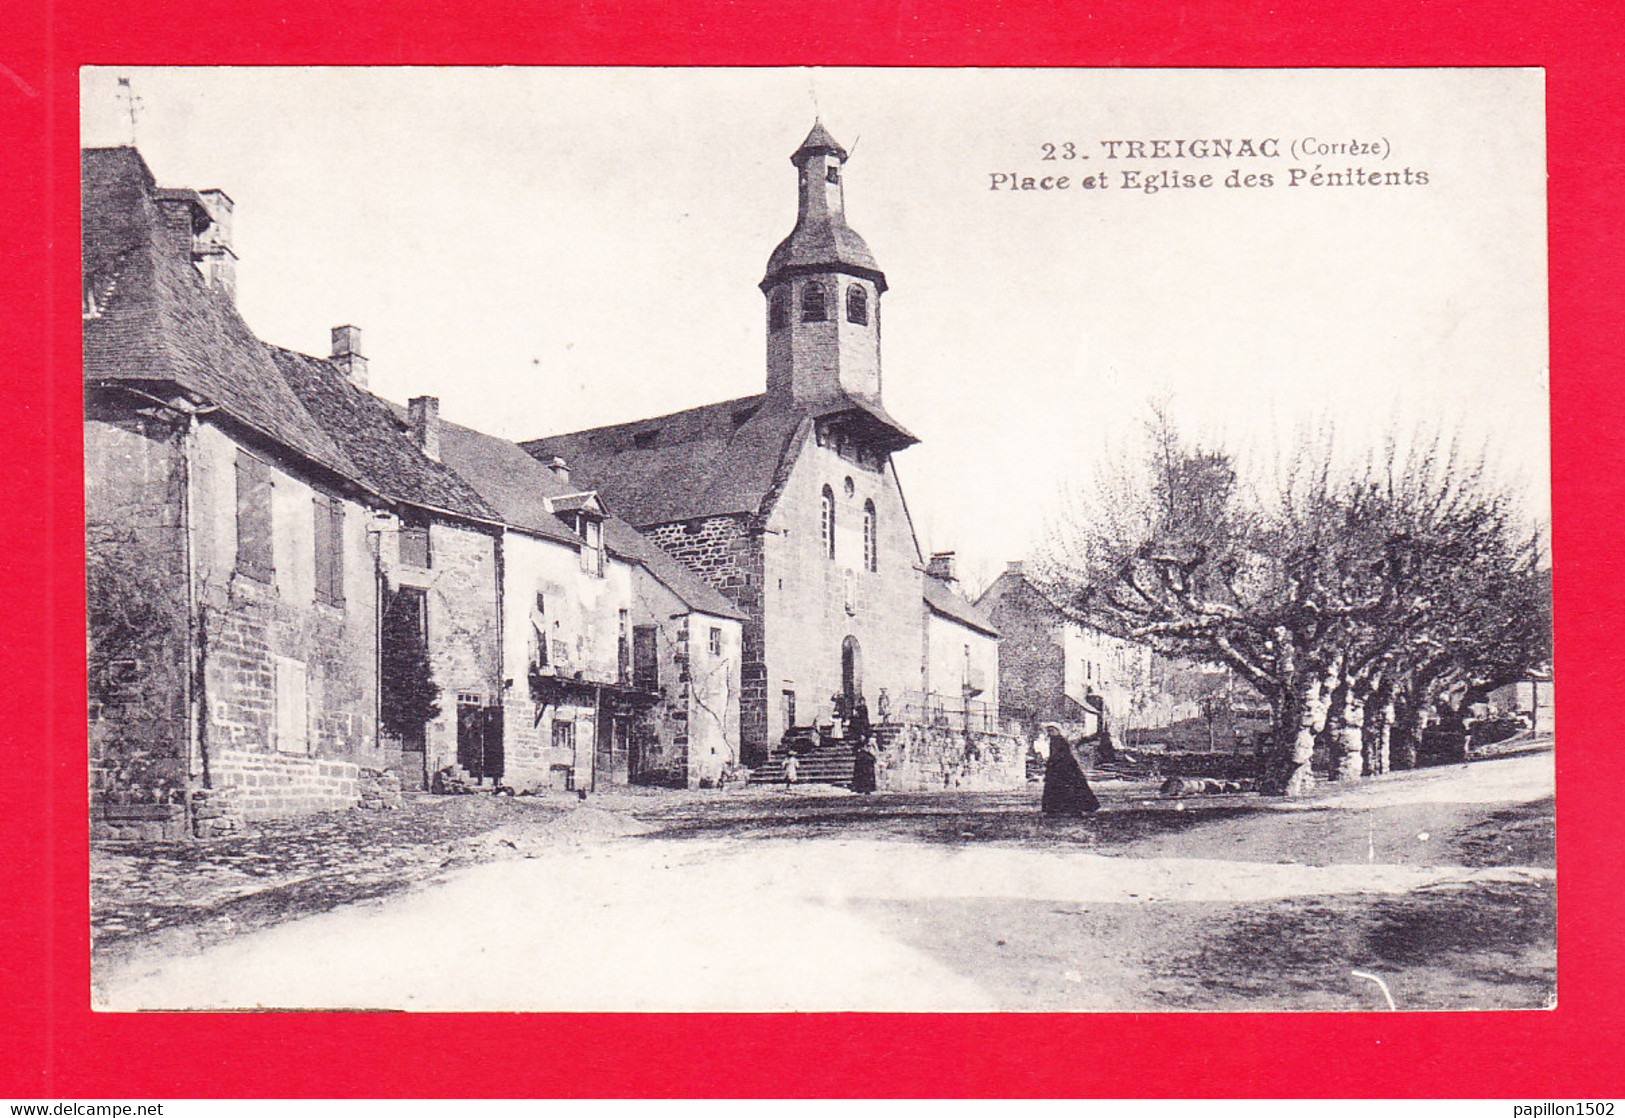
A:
(912, 758)
(727, 552)
(273, 785)
(134, 487)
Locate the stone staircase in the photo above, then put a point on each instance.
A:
(830, 763)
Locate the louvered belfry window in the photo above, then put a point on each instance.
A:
(826, 521)
(812, 302)
(857, 305)
(255, 552)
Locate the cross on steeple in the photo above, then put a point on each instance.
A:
(132, 104)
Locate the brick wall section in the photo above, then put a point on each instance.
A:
(727, 552)
(271, 785)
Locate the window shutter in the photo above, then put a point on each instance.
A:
(323, 573)
(254, 546)
(335, 551)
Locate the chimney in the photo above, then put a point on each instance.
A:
(559, 468)
(424, 414)
(1016, 567)
(212, 250)
(941, 566)
(347, 354)
(185, 219)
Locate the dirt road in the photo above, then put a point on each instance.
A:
(1440, 883)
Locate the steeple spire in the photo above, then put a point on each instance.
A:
(821, 241)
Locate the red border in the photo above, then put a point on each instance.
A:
(52, 1046)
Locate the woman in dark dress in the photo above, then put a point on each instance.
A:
(1066, 790)
(863, 756)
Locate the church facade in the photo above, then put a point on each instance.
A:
(787, 501)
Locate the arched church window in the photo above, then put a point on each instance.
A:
(778, 313)
(871, 544)
(826, 521)
(857, 305)
(812, 302)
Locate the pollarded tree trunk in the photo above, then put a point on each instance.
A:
(1407, 733)
(1351, 735)
(1308, 707)
(1379, 723)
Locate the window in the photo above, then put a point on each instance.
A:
(564, 736)
(645, 440)
(857, 305)
(812, 302)
(645, 661)
(826, 521)
(538, 631)
(255, 556)
(329, 525)
(832, 173)
(623, 649)
(592, 545)
(414, 543)
(716, 641)
(871, 548)
(778, 313)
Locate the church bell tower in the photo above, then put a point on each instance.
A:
(823, 291)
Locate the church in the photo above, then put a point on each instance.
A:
(787, 502)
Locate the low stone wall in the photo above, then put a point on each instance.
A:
(138, 822)
(276, 785)
(912, 758)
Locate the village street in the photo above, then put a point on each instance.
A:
(1439, 882)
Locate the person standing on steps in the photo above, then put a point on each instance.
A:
(789, 769)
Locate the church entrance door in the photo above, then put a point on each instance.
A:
(851, 676)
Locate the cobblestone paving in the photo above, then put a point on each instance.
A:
(290, 868)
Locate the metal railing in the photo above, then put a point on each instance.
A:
(947, 712)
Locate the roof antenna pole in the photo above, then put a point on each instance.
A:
(132, 104)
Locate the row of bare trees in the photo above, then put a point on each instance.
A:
(1353, 599)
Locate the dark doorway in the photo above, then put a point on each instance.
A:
(611, 765)
(479, 738)
(851, 675)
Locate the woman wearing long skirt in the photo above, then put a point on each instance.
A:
(1066, 790)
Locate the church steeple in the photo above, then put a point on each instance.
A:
(823, 290)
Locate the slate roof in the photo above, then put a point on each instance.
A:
(519, 487)
(158, 321)
(819, 139)
(822, 241)
(387, 459)
(941, 598)
(717, 460)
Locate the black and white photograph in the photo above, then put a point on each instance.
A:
(612, 539)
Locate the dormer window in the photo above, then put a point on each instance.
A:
(857, 305)
(832, 173)
(812, 302)
(591, 530)
(778, 311)
(645, 440)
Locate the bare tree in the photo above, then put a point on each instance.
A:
(1335, 593)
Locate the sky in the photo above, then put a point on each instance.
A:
(548, 249)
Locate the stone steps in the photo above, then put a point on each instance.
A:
(828, 764)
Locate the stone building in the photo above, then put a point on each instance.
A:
(787, 501)
(231, 542)
(619, 664)
(1049, 662)
(257, 521)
